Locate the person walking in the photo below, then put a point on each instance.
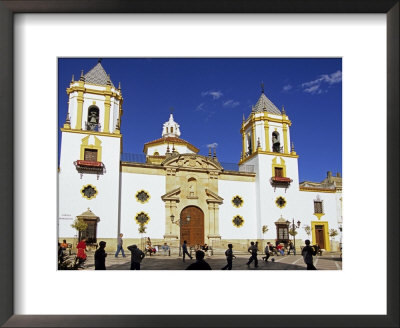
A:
(229, 257)
(308, 252)
(200, 264)
(81, 254)
(291, 248)
(253, 251)
(165, 249)
(136, 257)
(185, 251)
(119, 246)
(266, 251)
(100, 257)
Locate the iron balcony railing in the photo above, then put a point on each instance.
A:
(141, 158)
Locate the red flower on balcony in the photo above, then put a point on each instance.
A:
(89, 163)
(281, 179)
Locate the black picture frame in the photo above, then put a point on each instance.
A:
(10, 7)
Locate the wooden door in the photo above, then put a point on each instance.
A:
(320, 236)
(192, 231)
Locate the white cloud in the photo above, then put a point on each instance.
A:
(214, 94)
(315, 86)
(213, 145)
(287, 87)
(200, 107)
(230, 103)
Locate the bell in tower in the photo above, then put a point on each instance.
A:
(93, 119)
(276, 145)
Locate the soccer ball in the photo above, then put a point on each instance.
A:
(273, 260)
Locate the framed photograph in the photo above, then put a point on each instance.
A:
(39, 40)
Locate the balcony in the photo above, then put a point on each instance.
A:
(90, 167)
(280, 182)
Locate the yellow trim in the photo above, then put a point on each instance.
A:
(267, 153)
(237, 226)
(309, 189)
(266, 132)
(107, 105)
(241, 204)
(276, 200)
(79, 111)
(285, 138)
(106, 92)
(243, 145)
(138, 200)
(264, 118)
(319, 215)
(85, 145)
(92, 133)
(326, 233)
(281, 165)
(137, 214)
(253, 137)
(84, 196)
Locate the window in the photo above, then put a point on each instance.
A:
(90, 233)
(282, 232)
(89, 192)
(142, 218)
(237, 221)
(279, 172)
(172, 129)
(276, 144)
(142, 196)
(318, 207)
(280, 202)
(237, 201)
(90, 155)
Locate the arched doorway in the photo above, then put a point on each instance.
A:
(192, 231)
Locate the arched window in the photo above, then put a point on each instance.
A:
(172, 129)
(93, 119)
(249, 145)
(276, 144)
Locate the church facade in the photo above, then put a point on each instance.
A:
(177, 194)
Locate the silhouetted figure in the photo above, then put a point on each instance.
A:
(119, 246)
(136, 257)
(229, 257)
(267, 250)
(253, 251)
(200, 264)
(185, 251)
(308, 253)
(100, 257)
(291, 248)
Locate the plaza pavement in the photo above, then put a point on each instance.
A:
(328, 261)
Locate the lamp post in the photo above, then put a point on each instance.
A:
(180, 222)
(293, 227)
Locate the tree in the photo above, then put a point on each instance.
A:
(333, 233)
(264, 229)
(307, 229)
(80, 226)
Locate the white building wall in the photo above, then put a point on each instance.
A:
(71, 201)
(162, 149)
(246, 190)
(154, 185)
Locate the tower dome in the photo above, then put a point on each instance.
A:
(171, 128)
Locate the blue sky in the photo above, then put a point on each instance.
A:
(210, 96)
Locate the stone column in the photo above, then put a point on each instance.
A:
(285, 139)
(266, 132)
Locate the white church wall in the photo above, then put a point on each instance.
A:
(71, 201)
(246, 190)
(162, 149)
(154, 185)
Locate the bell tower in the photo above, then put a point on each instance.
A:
(90, 154)
(266, 147)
